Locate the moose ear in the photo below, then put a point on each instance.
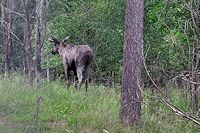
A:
(66, 38)
(55, 40)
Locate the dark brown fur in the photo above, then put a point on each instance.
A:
(76, 58)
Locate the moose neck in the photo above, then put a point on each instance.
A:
(61, 48)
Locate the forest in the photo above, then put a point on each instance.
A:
(135, 66)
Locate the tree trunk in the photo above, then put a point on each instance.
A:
(8, 26)
(132, 60)
(196, 53)
(47, 69)
(38, 44)
(27, 41)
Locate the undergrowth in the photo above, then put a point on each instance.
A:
(51, 107)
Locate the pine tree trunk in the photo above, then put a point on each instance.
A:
(132, 60)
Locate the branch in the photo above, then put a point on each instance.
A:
(6, 26)
(12, 11)
(169, 105)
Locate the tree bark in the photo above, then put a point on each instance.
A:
(8, 26)
(27, 41)
(38, 43)
(132, 63)
(196, 53)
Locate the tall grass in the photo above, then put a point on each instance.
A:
(51, 107)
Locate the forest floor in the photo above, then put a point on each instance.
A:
(51, 107)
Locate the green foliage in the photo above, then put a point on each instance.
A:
(168, 39)
(167, 36)
(99, 22)
(66, 110)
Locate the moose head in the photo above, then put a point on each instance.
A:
(57, 43)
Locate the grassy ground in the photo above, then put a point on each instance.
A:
(53, 108)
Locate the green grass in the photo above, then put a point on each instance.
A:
(67, 110)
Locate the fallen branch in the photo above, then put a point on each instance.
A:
(169, 105)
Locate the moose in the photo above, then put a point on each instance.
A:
(76, 58)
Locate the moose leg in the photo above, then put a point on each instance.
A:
(86, 84)
(66, 75)
(86, 77)
(80, 77)
(75, 78)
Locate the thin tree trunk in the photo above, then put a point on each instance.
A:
(196, 53)
(48, 74)
(132, 59)
(38, 43)
(8, 24)
(38, 50)
(47, 69)
(27, 41)
(193, 90)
